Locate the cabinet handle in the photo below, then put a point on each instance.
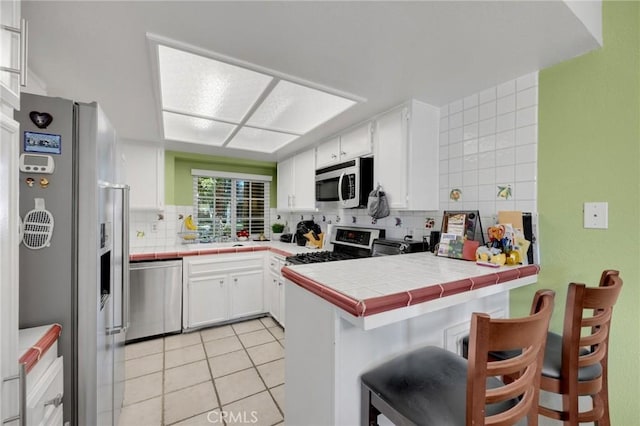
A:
(23, 32)
(55, 401)
(333, 156)
(342, 153)
(22, 384)
(235, 280)
(221, 283)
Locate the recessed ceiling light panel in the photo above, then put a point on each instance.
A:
(195, 130)
(198, 85)
(294, 108)
(260, 140)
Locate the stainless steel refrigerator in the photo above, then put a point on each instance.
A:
(69, 167)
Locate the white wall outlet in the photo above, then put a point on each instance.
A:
(596, 215)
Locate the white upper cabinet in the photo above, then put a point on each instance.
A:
(328, 153)
(354, 143)
(145, 176)
(406, 156)
(12, 53)
(297, 183)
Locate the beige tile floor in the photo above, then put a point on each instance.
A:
(232, 374)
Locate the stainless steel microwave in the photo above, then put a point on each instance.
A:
(345, 185)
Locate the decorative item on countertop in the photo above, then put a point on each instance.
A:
(504, 246)
(276, 231)
(377, 205)
(314, 240)
(242, 235)
(189, 232)
(460, 237)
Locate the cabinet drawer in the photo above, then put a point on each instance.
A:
(276, 263)
(206, 265)
(53, 416)
(44, 394)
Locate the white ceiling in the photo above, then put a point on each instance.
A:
(383, 51)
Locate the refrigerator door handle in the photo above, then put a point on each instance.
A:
(124, 238)
(125, 258)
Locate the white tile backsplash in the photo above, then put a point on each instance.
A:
(506, 104)
(506, 88)
(527, 116)
(470, 101)
(487, 127)
(487, 95)
(470, 115)
(455, 106)
(506, 122)
(487, 110)
(526, 81)
(470, 147)
(455, 120)
(500, 151)
(470, 131)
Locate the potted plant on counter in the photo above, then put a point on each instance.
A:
(276, 231)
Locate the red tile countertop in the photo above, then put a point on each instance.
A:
(179, 252)
(430, 288)
(33, 354)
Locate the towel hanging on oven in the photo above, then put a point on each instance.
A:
(377, 205)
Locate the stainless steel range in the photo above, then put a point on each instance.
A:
(348, 243)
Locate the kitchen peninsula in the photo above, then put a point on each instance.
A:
(345, 317)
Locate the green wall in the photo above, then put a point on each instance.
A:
(178, 179)
(589, 138)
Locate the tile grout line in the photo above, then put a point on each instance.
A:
(258, 371)
(213, 382)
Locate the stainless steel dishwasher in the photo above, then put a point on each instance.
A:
(155, 303)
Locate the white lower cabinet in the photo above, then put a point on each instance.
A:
(44, 399)
(274, 288)
(222, 287)
(207, 300)
(246, 294)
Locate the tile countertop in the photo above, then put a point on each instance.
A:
(183, 250)
(364, 287)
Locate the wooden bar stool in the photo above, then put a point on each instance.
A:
(432, 386)
(575, 363)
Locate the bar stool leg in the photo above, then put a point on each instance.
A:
(368, 413)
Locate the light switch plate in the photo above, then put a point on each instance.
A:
(596, 215)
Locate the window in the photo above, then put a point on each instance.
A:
(227, 203)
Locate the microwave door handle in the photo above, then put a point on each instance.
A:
(340, 187)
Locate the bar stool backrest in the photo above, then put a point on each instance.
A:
(527, 334)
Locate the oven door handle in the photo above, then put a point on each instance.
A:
(340, 187)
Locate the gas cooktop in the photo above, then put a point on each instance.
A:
(348, 243)
(319, 256)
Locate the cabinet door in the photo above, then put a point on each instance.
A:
(208, 300)
(281, 309)
(246, 291)
(274, 295)
(328, 153)
(390, 165)
(304, 181)
(356, 143)
(10, 53)
(145, 176)
(285, 184)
